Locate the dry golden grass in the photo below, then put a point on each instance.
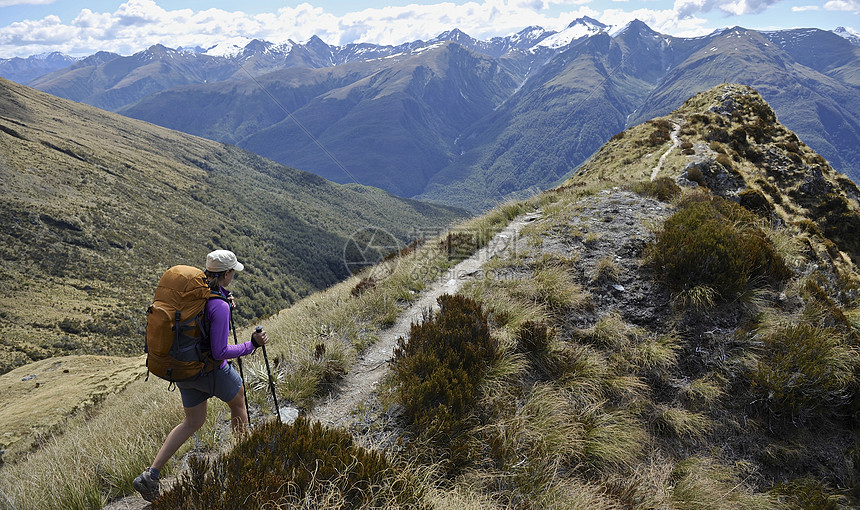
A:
(38, 399)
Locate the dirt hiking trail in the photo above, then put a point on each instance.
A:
(676, 125)
(372, 365)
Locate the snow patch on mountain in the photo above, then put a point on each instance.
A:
(229, 48)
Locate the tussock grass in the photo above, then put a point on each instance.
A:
(543, 428)
(680, 423)
(610, 331)
(614, 438)
(658, 353)
(507, 310)
(808, 494)
(703, 392)
(644, 486)
(699, 297)
(703, 484)
(39, 398)
(592, 379)
(803, 369)
(606, 267)
(573, 494)
(854, 318)
(462, 497)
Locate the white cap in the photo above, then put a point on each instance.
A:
(222, 260)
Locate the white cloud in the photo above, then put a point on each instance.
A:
(138, 24)
(664, 21)
(735, 7)
(805, 8)
(842, 5)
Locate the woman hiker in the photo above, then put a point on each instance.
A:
(222, 382)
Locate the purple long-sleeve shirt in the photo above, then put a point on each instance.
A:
(218, 312)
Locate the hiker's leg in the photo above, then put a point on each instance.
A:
(238, 413)
(195, 417)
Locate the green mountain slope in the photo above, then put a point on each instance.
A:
(97, 206)
(109, 81)
(559, 117)
(235, 110)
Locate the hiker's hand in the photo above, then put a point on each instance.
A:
(232, 301)
(259, 338)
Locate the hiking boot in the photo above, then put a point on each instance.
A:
(146, 485)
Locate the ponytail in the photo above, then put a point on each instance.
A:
(212, 278)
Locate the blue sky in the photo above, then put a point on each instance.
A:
(29, 27)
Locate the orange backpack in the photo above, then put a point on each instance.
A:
(177, 344)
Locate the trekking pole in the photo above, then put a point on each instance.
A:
(271, 379)
(241, 373)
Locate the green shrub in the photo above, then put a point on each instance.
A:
(280, 466)
(715, 243)
(662, 188)
(805, 369)
(438, 371)
(365, 284)
(755, 201)
(695, 174)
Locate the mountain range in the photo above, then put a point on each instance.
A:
(467, 122)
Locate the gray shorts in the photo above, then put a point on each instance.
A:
(223, 382)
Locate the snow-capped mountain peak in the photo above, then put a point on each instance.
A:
(582, 27)
(849, 34)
